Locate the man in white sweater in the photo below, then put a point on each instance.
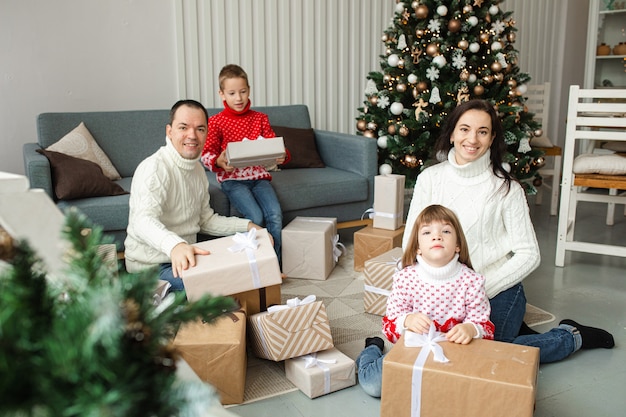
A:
(169, 201)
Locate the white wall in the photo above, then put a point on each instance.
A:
(81, 55)
(90, 55)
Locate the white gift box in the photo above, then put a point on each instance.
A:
(261, 151)
(321, 373)
(389, 201)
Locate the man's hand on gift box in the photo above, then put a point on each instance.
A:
(184, 256)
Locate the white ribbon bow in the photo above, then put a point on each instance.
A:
(338, 248)
(247, 242)
(430, 340)
(291, 303)
(370, 213)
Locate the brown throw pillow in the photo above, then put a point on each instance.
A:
(301, 145)
(74, 178)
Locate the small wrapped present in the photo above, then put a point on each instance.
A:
(260, 299)
(214, 350)
(483, 378)
(262, 151)
(388, 201)
(370, 242)
(378, 273)
(286, 331)
(243, 262)
(320, 373)
(310, 247)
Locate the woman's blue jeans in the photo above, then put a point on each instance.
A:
(256, 200)
(507, 314)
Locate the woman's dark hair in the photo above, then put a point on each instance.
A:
(498, 146)
(189, 103)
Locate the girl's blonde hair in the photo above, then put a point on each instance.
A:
(436, 213)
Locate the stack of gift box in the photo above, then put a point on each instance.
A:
(245, 267)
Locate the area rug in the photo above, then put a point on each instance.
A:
(342, 294)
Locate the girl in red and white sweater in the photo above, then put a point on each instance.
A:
(248, 189)
(436, 286)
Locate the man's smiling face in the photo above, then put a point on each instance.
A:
(188, 131)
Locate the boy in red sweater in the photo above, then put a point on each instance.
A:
(248, 189)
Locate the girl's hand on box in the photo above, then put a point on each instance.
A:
(417, 323)
(461, 333)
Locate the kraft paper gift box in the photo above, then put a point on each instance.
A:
(483, 378)
(310, 247)
(321, 373)
(243, 262)
(214, 350)
(262, 151)
(378, 281)
(370, 242)
(260, 299)
(388, 201)
(291, 330)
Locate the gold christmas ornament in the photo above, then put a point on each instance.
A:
(467, 8)
(540, 162)
(496, 67)
(415, 93)
(391, 129)
(512, 83)
(422, 86)
(401, 88)
(369, 134)
(464, 75)
(511, 37)
(432, 49)
(421, 12)
(484, 37)
(463, 44)
(419, 32)
(538, 133)
(498, 77)
(488, 79)
(361, 125)
(454, 25)
(479, 90)
(404, 131)
(373, 100)
(386, 78)
(385, 38)
(410, 161)
(415, 4)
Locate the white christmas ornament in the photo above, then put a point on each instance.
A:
(396, 108)
(440, 61)
(472, 20)
(384, 169)
(472, 78)
(393, 60)
(434, 96)
(402, 42)
(400, 7)
(524, 146)
(496, 46)
(442, 10)
(493, 10)
(370, 88)
(474, 47)
(412, 78)
(382, 142)
(521, 89)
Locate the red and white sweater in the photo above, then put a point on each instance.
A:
(448, 295)
(231, 126)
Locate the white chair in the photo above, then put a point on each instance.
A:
(593, 116)
(538, 102)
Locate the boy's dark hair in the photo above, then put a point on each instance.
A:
(189, 103)
(232, 71)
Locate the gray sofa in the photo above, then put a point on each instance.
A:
(343, 189)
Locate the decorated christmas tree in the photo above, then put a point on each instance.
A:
(93, 342)
(439, 54)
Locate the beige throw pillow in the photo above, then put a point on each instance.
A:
(80, 144)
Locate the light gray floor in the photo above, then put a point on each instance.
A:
(591, 289)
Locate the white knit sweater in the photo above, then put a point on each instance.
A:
(169, 204)
(501, 238)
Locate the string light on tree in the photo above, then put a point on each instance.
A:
(437, 55)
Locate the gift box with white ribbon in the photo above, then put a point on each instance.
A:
(389, 201)
(370, 242)
(238, 263)
(285, 331)
(378, 281)
(423, 375)
(261, 151)
(310, 247)
(321, 373)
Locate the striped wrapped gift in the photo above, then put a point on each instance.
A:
(379, 279)
(286, 331)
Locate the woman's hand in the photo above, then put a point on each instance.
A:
(417, 323)
(462, 333)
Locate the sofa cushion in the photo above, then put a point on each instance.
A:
(302, 147)
(314, 187)
(74, 178)
(80, 144)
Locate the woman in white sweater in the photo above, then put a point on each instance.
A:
(493, 211)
